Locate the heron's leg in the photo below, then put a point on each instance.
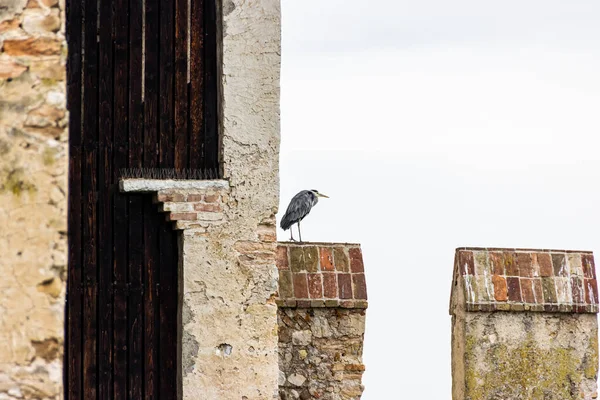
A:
(292, 234)
(299, 232)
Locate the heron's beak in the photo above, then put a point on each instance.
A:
(322, 195)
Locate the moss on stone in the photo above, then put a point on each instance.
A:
(591, 359)
(16, 183)
(523, 372)
(49, 156)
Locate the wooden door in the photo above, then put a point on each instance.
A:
(138, 97)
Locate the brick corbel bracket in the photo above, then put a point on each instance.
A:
(192, 205)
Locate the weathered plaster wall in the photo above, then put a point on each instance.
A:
(33, 185)
(530, 356)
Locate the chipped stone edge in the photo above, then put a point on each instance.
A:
(137, 185)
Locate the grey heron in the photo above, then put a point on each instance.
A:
(299, 208)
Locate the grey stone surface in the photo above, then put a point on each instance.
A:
(156, 185)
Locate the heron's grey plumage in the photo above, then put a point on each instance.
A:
(299, 208)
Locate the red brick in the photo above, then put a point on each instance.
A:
(500, 289)
(545, 263)
(514, 289)
(194, 197)
(300, 286)
(207, 207)
(538, 290)
(360, 286)
(330, 286)
(589, 268)
(326, 259)
(356, 260)
(182, 216)
(525, 265)
(282, 258)
(577, 291)
(286, 289)
(497, 263)
(340, 260)
(466, 262)
(591, 291)
(344, 286)
(211, 198)
(170, 197)
(315, 286)
(510, 263)
(527, 290)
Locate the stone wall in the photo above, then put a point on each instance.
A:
(33, 162)
(321, 317)
(524, 325)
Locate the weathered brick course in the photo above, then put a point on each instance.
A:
(534, 280)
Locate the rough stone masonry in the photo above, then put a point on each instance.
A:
(321, 319)
(524, 325)
(33, 163)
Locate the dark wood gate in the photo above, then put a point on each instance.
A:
(142, 93)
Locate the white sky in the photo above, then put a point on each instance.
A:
(436, 124)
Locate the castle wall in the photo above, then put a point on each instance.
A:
(321, 317)
(227, 246)
(33, 185)
(524, 325)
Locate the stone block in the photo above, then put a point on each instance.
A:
(514, 288)
(315, 286)
(286, 289)
(296, 259)
(340, 260)
(330, 286)
(466, 262)
(356, 260)
(32, 47)
(510, 264)
(300, 285)
(344, 286)
(282, 258)
(545, 264)
(559, 263)
(589, 268)
(525, 265)
(326, 259)
(359, 286)
(500, 288)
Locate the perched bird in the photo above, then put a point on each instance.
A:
(299, 208)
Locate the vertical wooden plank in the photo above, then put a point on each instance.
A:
(151, 332)
(90, 248)
(105, 194)
(196, 83)
(120, 217)
(167, 387)
(90, 378)
(167, 43)
(168, 312)
(136, 238)
(181, 84)
(151, 223)
(73, 353)
(209, 91)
